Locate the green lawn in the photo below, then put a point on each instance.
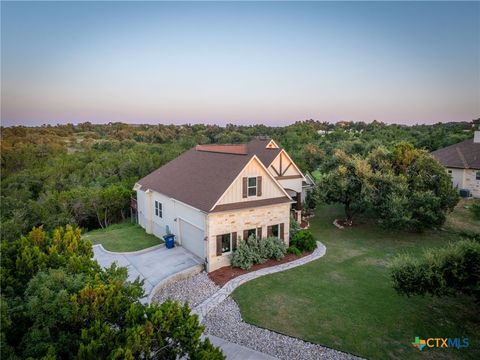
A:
(462, 218)
(345, 299)
(123, 237)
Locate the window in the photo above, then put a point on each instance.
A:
(226, 243)
(158, 209)
(252, 186)
(449, 171)
(250, 232)
(275, 230)
(478, 175)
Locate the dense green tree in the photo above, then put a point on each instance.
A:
(414, 192)
(405, 188)
(58, 303)
(348, 184)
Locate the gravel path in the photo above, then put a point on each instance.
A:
(194, 290)
(225, 321)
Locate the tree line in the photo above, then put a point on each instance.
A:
(83, 175)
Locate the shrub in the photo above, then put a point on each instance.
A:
(243, 257)
(272, 248)
(475, 210)
(304, 241)
(294, 227)
(294, 250)
(439, 272)
(255, 251)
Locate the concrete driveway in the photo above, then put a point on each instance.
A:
(152, 265)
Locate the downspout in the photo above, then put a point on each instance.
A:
(207, 244)
(149, 196)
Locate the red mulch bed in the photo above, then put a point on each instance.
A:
(227, 273)
(304, 224)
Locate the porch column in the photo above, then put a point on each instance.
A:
(299, 201)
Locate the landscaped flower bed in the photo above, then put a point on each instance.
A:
(227, 273)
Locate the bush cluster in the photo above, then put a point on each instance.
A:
(257, 251)
(439, 272)
(294, 250)
(303, 240)
(475, 210)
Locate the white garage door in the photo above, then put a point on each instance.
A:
(191, 238)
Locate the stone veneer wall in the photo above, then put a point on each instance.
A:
(239, 220)
(471, 183)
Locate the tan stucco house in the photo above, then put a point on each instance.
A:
(212, 196)
(462, 162)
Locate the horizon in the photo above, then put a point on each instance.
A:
(239, 63)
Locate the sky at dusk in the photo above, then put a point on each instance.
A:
(272, 63)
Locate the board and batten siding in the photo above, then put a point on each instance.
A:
(253, 169)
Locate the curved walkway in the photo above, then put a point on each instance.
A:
(203, 309)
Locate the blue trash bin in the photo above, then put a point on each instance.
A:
(169, 241)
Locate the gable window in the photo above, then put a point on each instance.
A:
(158, 209)
(252, 186)
(478, 175)
(450, 172)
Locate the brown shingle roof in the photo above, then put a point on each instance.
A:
(464, 155)
(258, 147)
(197, 178)
(202, 174)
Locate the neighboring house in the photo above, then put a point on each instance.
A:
(462, 162)
(212, 196)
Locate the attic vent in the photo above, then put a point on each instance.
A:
(272, 145)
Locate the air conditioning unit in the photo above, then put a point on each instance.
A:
(465, 193)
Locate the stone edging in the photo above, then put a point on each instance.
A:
(336, 223)
(204, 308)
(191, 271)
(129, 252)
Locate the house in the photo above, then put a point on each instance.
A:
(462, 162)
(212, 196)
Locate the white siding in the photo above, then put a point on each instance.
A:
(171, 211)
(235, 192)
(457, 176)
(292, 184)
(465, 179)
